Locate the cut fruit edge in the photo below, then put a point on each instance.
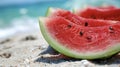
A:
(51, 11)
(70, 53)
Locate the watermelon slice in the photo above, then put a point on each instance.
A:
(108, 13)
(81, 37)
(77, 19)
(80, 42)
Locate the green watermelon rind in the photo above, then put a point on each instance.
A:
(71, 53)
(50, 10)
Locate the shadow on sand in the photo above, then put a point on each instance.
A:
(58, 58)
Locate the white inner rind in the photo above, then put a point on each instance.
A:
(71, 53)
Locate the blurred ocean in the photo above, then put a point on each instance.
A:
(22, 15)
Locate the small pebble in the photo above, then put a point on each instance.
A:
(5, 55)
(43, 47)
(29, 38)
(4, 41)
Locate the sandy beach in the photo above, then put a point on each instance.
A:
(31, 50)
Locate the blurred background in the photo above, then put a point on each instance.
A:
(22, 15)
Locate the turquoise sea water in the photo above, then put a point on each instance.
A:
(22, 17)
(8, 13)
(16, 18)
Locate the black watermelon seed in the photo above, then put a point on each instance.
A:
(111, 28)
(89, 38)
(69, 26)
(86, 23)
(81, 33)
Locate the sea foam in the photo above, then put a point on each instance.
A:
(21, 24)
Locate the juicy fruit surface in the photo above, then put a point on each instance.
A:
(108, 13)
(79, 20)
(80, 37)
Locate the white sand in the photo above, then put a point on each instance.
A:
(23, 50)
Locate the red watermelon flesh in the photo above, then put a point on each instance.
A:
(77, 19)
(78, 41)
(77, 37)
(108, 13)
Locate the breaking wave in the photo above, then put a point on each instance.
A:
(21, 24)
